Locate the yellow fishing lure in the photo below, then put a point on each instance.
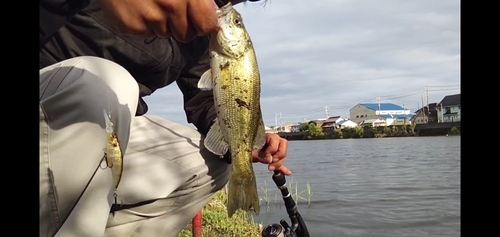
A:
(113, 153)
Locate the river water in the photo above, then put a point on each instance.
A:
(371, 187)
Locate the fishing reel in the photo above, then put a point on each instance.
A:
(283, 229)
(278, 230)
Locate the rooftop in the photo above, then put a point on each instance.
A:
(409, 116)
(451, 100)
(431, 107)
(383, 106)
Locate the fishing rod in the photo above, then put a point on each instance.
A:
(283, 229)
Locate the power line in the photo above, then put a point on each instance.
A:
(450, 89)
(446, 86)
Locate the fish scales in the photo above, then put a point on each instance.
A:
(235, 80)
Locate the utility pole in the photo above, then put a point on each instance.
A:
(404, 114)
(427, 96)
(378, 100)
(281, 121)
(423, 108)
(276, 121)
(326, 112)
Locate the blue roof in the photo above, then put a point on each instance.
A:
(383, 106)
(398, 116)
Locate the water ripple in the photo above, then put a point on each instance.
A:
(372, 187)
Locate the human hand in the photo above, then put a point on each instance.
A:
(274, 153)
(182, 19)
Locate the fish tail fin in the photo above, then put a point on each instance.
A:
(242, 194)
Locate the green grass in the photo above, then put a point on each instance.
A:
(217, 223)
(293, 188)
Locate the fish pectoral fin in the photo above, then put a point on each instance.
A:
(214, 141)
(205, 82)
(260, 136)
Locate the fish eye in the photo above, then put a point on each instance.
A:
(237, 21)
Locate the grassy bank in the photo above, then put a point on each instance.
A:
(217, 223)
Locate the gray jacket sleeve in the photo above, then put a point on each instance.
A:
(55, 13)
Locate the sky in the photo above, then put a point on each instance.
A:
(321, 58)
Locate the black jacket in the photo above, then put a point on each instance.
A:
(154, 63)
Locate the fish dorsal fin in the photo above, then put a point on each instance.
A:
(260, 136)
(205, 82)
(214, 141)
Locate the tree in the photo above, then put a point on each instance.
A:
(311, 130)
(454, 131)
(359, 131)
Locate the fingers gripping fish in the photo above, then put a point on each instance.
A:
(113, 154)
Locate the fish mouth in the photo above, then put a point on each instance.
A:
(224, 10)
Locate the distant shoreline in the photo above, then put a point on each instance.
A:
(369, 132)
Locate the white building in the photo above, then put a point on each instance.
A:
(368, 111)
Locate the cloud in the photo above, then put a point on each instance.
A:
(338, 53)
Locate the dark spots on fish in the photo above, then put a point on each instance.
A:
(244, 140)
(249, 150)
(242, 103)
(245, 90)
(225, 65)
(218, 105)
(236, 78)
(224, 87)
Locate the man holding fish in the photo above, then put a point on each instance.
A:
(106, 168)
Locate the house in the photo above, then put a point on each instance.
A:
(373, 123)
(317, 122)
(427, 114)
(346, 124)
(448, 110)
(368, 111)
(397, 119)
(290, 128)
(330, 123)
(337, 122)
(270, 129)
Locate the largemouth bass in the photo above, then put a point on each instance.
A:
(235, 80)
